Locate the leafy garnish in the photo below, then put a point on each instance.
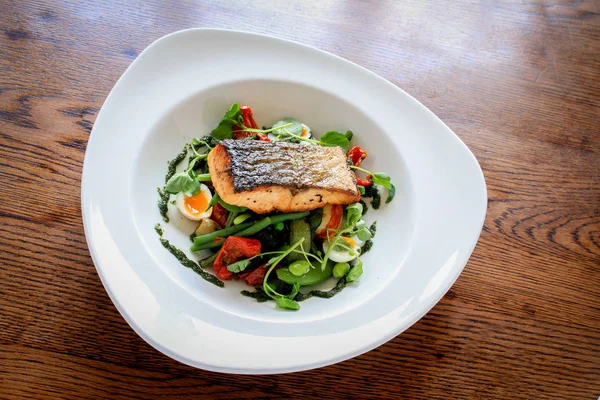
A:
(284, 302)
(287, 126)
(391, 193)
(355, 272)
(380, 178)
(225, 128)
(333, 138)
(183, 182)
(238, 266)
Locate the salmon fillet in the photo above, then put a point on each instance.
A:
(280, 176)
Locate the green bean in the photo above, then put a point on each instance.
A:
(208, 262)
(207, 245)
(255, 228)
(241, 218)
(286, 217)
(246, 229)
(230, 218)
(222, 233)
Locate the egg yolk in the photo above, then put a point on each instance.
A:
(196, 204)
(350, 241)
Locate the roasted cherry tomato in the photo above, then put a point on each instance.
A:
(356, 155)
(219, 215)
(234, 249)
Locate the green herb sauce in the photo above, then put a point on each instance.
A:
(339, 286)
(259, 295)
(369, 243)
(174, 163)
(186, 262)
(162, 204)
(364, 205)
(373, 193)
(164, 196)
(373, 228)
(366, 247)
(158, 229)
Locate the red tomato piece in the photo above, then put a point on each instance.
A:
(219, 215)
(356, 155)
(234, 249)
(332, 220)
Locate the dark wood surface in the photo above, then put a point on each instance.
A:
(519, 82)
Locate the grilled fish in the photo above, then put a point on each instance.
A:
(280, 176)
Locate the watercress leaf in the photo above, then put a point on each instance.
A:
(193, 188)
(349, 135)
(284, 302)
(238, 266)
(272, 260)
(333, 138)
(360, 224)
(294, 292)
(381, 178)
(295, 128)
(232, 208)
(355, 272)
(180, 182)
(391, 193)
(364, 234)
(361, 190)
(223, 131)
(225, 128)
(353, 214)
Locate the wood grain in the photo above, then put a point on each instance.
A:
(519, 82)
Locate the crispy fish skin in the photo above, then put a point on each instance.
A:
(286, 177)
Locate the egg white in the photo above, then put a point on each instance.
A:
(204, 191)
(306, 134)
(343, 255)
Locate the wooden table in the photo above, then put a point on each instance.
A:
(519, 83)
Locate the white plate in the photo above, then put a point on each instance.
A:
(178, 88)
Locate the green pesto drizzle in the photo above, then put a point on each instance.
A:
(366, 247)
(164, 196)
(369, 243)
(259, 295)
(175, 162)
(373, 228)
(365, 208)
(158, 229)
(186, 262)
(339, 286)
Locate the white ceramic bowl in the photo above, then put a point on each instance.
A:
(177, 89)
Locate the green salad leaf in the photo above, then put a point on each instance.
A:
(284, 128)
(284, 302)
(225, 128)
(355, 272)
(183, 182)
(333, 138)
(238, 266)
